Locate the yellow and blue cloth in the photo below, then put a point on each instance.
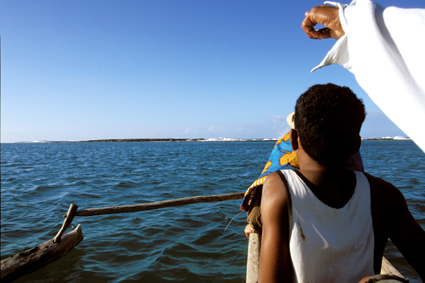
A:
(281, 157)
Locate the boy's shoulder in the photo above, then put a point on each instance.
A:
(383, 192)
(378, 181)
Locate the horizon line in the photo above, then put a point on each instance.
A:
(220, 139)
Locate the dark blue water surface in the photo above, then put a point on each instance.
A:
(187, 243)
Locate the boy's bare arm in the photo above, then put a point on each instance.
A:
(407, 235)
(392, 219)
(275, 261)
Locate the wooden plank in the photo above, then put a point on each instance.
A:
(35, 258)
(253, 263)
(156, 205)
(388, 268)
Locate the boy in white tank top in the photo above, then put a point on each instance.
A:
(325, 223)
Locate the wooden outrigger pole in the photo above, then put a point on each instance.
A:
(156, 205)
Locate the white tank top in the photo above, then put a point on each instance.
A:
(329, 244)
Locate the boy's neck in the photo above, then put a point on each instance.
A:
(333, 186)
(319, 174)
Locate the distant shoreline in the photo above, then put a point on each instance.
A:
(197, 140)
(386, 139)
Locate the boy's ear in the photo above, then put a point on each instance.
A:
(293, 135)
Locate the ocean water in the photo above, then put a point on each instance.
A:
(186, 243)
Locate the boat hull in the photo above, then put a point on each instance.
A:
(39, 256)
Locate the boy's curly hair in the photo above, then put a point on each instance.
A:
(328, 119)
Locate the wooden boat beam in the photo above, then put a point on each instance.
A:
(68, 220)
(156, 205)
(253, 262)
(388, 268)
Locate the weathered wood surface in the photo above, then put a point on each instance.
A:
(156, 205)
(388, 268)
(35, 258)
(68, 220)
(253, 261)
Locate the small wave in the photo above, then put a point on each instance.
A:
(126, 184)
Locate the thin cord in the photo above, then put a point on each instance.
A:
(232, 220)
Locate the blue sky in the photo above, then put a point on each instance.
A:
(99, 69)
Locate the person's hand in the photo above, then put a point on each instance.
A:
(248, 230)
(324, 15)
